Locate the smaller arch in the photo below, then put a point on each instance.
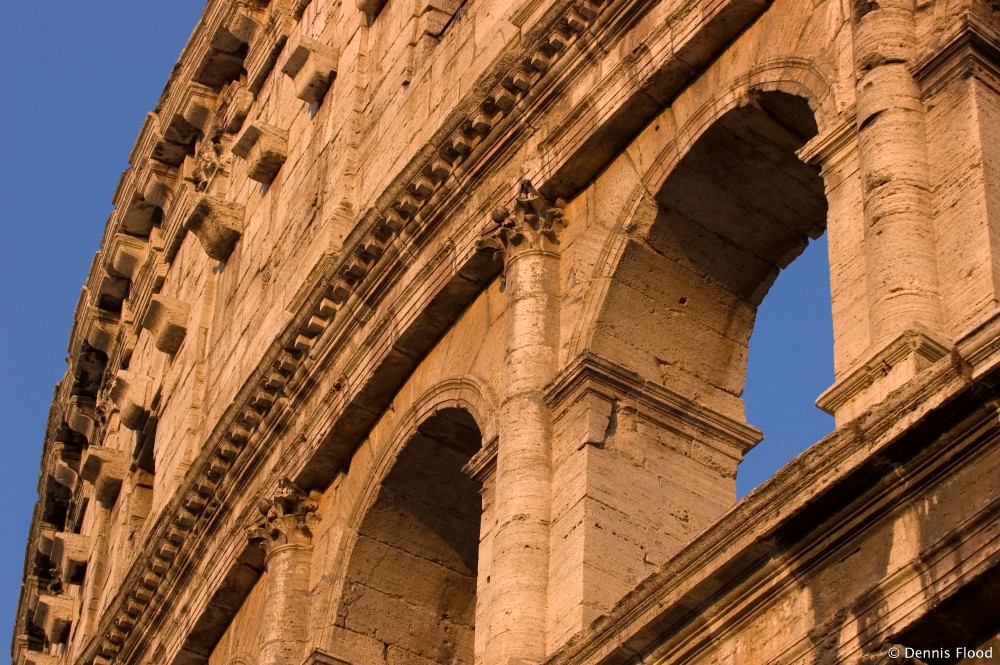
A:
(410, 572)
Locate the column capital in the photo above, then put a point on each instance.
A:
(287, 518)
(534, 224)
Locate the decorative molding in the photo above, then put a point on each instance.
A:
(971, 49)
(483, 464)
(266, 47)
(917, 343)
(589, 373)
(287, 518)
(320, 657)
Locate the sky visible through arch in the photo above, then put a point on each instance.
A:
(76, 80)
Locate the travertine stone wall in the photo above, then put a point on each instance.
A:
(419, 332)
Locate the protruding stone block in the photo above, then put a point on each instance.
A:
(166, 319)
(222, 61)
(46, 534)
(312, 66)
(264, 148)
(39, 658)
(64, 475)
(156, 183)
(108, 292)
(100, 329)
(133, 394)
(371, 8)
(54, 615)
(124, 254)
(217, 224)
(80, 415)
(70, 552)
(105, 468)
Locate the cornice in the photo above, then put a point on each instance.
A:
(970, 48)
(591, 373)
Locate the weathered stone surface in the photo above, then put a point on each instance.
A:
(473, 380)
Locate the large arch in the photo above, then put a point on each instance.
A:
(409, 581)
(736, 208)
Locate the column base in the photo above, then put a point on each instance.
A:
(883, 371)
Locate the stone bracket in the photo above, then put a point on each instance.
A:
(166, 319)
(124, 254)
(100, 329)
(217, 224)
(70, 552)
(105, 468)
(264, 148)
(312, 66)
(54, 615)
(221, 61)
(133, 394)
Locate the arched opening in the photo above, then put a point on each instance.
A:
(736, 209)
(410, 587)
(790, 363)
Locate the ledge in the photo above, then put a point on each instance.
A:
(590, 373)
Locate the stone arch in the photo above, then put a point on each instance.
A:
(787, 89)
(409, 577)
(791, 75)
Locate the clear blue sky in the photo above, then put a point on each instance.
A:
(76, 80)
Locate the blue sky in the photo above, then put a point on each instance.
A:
(76, 80)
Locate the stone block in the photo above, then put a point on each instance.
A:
(54, 616)
(70, 552)
(105, 468)
(312, 66)
(264, 148)
(124, 254)
(218, 225)
(166, 319)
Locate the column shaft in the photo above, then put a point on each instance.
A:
(892, 145)
(523, 471)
